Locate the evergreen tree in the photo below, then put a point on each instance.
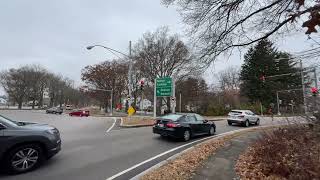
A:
(260, 62)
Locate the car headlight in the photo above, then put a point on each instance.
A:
(52, 131)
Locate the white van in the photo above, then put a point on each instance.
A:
(68, 107)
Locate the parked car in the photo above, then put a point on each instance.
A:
(24, 145)
(243, 117)
(80, 113)
(54, 110)
(68, 107)
(183, 126)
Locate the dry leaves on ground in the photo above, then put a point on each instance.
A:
(285, 153)
(184, 166)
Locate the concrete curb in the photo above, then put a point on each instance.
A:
(217, 120)
(132, 126)
(137, 177)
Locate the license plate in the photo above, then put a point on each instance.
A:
(160, 125)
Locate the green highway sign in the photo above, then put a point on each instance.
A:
(164, 87)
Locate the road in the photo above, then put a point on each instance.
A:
(90, 152)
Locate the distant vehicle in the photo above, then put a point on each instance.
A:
(243, 117)
(183, 126)
(30, 103)
(24, 145)
(54, 110)
(68, 107)
(80, 113)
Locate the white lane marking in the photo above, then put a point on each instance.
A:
(164, 153)
(114, 122)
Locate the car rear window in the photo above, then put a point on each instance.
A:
(235, 112)
(173, 117)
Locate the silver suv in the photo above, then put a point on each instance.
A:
(243, 117)
(24, 146)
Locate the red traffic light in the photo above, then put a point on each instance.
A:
(314, 90)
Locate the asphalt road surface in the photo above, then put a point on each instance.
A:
(93, 150)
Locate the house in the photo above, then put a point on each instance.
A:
(3, 101)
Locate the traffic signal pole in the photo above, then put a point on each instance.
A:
(155, 99)
(303, 88)
(316, 86)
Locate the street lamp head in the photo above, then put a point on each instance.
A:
(90, 47)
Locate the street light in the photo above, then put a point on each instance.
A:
(113, 51)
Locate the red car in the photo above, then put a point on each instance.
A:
(80, 113)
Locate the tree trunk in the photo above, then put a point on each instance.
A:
(33, 102)
(168, 105)
(20, 105)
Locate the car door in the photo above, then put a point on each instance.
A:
(204, 126)
(252, 117)
(194, 125)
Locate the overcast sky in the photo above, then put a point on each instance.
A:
(55, 33)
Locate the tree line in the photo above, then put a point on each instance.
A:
(36, 84)
(161, 54)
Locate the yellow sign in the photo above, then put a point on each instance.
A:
(131, 111)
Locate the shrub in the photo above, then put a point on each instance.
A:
(286, 153)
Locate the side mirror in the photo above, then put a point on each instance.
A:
(205, 121)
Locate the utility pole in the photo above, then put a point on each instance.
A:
(155, 99)
(130, 71)
(316, 86)
(303, 88)
(180, 101)
(278, 103)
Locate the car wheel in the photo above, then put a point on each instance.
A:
(24, 158)
(229, 123)
(186, 135)
(257, 122)
(247, 123)
(212, 131)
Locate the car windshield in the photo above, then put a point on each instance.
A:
(8, 121)
(173, 117)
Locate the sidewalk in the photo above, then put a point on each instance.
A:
(221, 165)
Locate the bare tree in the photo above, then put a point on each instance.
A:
(37, 80)
(160, 54)
(218, 26)
(107, 76)
(229, 79)
(16, 83)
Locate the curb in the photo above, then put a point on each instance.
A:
(137, 177)
(132, 126)
(217, 120)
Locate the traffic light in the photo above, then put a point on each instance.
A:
(263, 78)
(141, 85)
(314, 91)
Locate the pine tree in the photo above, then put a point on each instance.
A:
(261, 61)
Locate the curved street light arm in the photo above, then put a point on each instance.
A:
(109, 49)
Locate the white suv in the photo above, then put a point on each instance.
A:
(243, 117)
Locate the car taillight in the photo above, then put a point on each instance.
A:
(172, 125)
